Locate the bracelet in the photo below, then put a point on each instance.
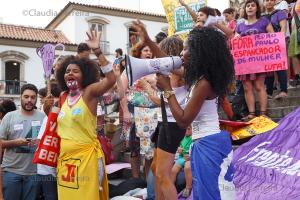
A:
(107, 68)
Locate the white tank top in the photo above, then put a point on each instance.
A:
(207, 121)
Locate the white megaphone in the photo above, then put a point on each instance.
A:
(138, 68)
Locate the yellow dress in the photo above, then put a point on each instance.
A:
(77, 167)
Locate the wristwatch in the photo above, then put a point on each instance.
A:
(168, 94)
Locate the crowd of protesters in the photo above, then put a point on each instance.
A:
(190, 97)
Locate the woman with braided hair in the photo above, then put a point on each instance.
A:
(208, 72)
(164, 153)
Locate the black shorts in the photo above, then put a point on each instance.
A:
(134, 142)
(160, 138)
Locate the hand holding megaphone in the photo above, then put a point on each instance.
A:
(138, 68)
(163, 82)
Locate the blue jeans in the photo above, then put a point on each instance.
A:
(49, 186)
(282, 78)
(19, 187)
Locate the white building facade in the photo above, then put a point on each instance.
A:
(19, 62)
(113, 23)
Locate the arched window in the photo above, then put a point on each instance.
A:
(100, 24)
(12, 72)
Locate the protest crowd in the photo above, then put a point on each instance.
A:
(168, 119)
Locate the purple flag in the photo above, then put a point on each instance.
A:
(268, 166)
(47, 53)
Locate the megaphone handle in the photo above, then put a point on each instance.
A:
(165, 119)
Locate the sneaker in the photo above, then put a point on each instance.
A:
(186, 192)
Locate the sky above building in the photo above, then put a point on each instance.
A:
(39, 13)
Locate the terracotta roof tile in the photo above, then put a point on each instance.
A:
(32, 34)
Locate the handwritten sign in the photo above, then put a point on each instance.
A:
(256, 126)
(47, 53)
(259, 53)
(179, 20)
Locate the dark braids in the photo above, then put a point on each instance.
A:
(209, 58)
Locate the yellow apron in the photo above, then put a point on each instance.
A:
(77, 167)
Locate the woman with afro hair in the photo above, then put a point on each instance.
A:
(208, 73)
(81, 167)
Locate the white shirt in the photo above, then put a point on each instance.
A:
(207, 120)
(283, 5)
(45, 169)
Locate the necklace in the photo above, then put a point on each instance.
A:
(73, 97)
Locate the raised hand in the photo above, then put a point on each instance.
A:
(94, 39)
(140, 31)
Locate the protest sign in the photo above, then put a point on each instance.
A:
(47, 53)
(179, 20)
(259, 53)
(256, 126)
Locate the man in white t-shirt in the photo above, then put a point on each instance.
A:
(47, 174)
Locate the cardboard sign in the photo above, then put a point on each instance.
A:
(259, 53)
(179, 20)
(256, 126)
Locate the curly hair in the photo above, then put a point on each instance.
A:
(88, 68)
(172, 45)
(258, 11)
(136, 50)
(210, 58)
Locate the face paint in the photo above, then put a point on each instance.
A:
(74, 93)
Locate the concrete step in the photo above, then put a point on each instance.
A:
(284, 102)
(294, 83)
(292, 92)
(278, 112)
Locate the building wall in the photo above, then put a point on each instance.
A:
(221, 5)
(69, 27)
(33, 67)
(116, 30)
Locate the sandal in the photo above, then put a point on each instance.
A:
(250, 116)
(263, 113)
(186, 192)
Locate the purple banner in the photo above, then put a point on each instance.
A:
(268, 166)
(47, 53)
